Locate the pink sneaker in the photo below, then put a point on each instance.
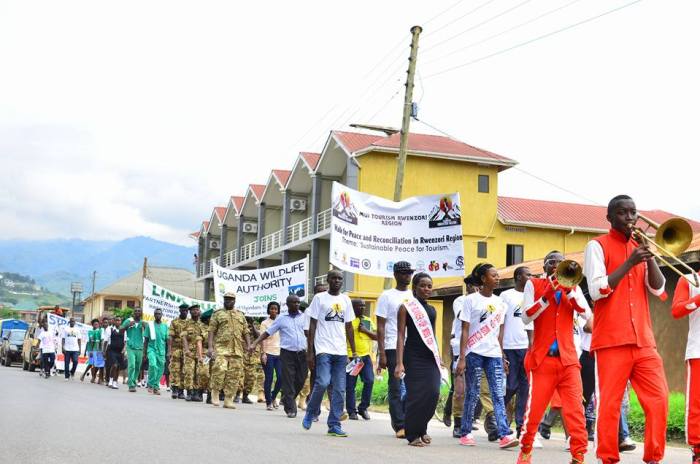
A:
(509, 441)
(467, 440)
(524, 458)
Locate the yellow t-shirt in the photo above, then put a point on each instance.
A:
(363, 344)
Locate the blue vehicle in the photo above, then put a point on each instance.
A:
(11, 324)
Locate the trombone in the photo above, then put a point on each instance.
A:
(672, 238)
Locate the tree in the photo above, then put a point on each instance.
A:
(124, 313)
(7, 313)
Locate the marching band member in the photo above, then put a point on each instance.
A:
(619, 272)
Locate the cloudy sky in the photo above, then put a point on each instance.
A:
(136, 118)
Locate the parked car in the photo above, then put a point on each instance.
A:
(11, 324)
(11, 348)
(30, 349)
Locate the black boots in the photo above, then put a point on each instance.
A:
(197, 396)
(457, 430)
(173, 392)
(189, 395)
(208, 397)
(180, 394)
(490, 426)
(590, 427)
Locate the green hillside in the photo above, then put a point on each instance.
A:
(22, 292)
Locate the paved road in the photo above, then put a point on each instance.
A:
(53, 421)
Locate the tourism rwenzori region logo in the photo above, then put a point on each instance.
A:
(344, 210)
(445, 214)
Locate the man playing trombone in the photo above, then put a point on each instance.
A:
(620, 271)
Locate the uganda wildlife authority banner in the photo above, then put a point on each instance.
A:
(157, 297)
(255, 288)
(369, 234)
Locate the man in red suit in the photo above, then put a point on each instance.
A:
(620, 274)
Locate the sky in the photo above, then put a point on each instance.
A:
(136, 118)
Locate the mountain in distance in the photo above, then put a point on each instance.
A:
(54, 264)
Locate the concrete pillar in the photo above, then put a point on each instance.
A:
(316, 186)
(200, 254)
(261, 231)
(239, 236)
(222, 245)
(286, 219)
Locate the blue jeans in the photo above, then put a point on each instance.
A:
(68, 357)
(367, 376)
(493, 368)
(330, 368)
(272, 366)
(517, 384)
(624, 430)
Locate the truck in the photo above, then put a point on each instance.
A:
(11, 324)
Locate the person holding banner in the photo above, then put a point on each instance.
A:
(480, 353)
(156, 340)
(418, 360)
(71, 347)
(553, 361)
(387, 309)
(134, 346)
(330, 326)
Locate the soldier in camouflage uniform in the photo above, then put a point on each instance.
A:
(252, 369)
(202, 370)
(228, 342)
(175, 348)
(192, 347)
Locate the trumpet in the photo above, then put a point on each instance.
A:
(569, 273)
(672, 238)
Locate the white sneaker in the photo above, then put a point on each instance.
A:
(568, 445)
(537, 443)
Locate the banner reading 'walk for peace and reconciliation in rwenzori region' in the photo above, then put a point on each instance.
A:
(157, 297)
(255, 288)
(369, 234)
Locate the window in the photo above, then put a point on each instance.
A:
(130, 303)
(481, 249)
(514, 254)
(111, 305)
(483, 183)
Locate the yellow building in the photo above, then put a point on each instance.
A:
(289, 217)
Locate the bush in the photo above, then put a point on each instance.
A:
(676, 417)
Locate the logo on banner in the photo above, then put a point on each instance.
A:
(354, 262)
(445, 214)
(390, 266)
(434, 266)
(298, 290)
(345, 210)
(366, 264)
(459, 262)
(420, 266)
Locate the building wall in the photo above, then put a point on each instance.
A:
(273, 220)
(96, 307)
(231, 239)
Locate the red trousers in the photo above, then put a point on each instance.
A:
(645, 369)
(692, 404)
(550, 377)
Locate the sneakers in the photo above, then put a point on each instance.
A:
(567, 444)
(467, 440)
(336, 431)
(537, 443)
(627, 445)
(509, 441)
(578, 459)
(132, 389)
(524, 458)
(307, 421)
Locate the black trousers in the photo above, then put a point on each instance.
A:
(397, 408)
(294, 372)
(422, 393)
(587, 376)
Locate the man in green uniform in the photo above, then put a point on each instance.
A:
(156, 339)
(203, 368)
(175, 350)
(134, 346)
(228, 341)
(192, 346)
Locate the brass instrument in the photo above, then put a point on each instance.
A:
(672, 238)
(569, 273)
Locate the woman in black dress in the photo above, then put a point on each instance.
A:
(417, 362)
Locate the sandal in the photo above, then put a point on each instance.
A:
(417, 442)
(426, 439)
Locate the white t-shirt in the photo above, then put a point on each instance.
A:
(457, 307)
(479, 311)
(388, 307)
(331, 312)
(47, 341)
(514, 330)
(70, 338)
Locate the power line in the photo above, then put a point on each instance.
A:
(517, 26)
(474, 10)
(541, 179)
(476, 26)
(371, 119)
(535, 39)
(442, 12)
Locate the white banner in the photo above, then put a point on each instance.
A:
(157, 297)
(255, 288)
(56, 326)
(369, 234)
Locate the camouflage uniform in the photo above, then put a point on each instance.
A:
(201, 380)
(193, 334)
(229, 328)
(177, 328)
(251, 372)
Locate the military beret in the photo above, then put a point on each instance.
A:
(184, 306)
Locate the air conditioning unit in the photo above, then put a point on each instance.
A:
(250, 227)
(297, 204)
(214, 244)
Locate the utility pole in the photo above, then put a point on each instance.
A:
(406, 121)
(144, 273)
(92, 295)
